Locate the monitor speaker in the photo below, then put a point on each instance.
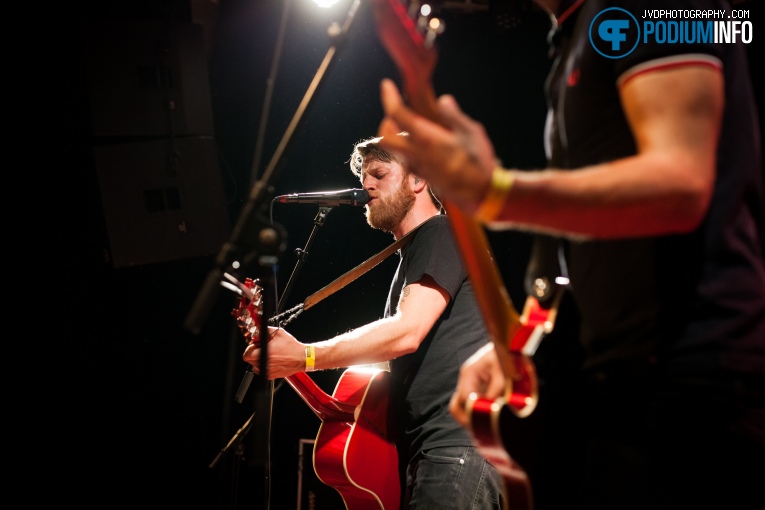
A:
(163, 199)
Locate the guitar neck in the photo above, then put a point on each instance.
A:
(249, 319)
(501, 318)
(415, 60)
(410, 46)
(323, 405)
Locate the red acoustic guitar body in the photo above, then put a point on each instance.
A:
(355, 448)
(358, 457)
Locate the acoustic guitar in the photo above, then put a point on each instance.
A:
(409, 34)
(355, 450)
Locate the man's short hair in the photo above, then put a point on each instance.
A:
(371, 149)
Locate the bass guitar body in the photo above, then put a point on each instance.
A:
(490, 420)
(489, 427)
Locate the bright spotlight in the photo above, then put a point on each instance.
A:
(326, 3)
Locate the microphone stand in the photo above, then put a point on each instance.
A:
(241, 433)
(253, 239)
(302, 254)
(318, 221)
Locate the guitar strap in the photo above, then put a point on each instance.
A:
(546, 263)
(346, 278)
(359, 270)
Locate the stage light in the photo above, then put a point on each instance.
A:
(326, 3)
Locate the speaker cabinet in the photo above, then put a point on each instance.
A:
(148, 78)
(163, 199)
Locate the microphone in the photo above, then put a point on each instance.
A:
(327, 198)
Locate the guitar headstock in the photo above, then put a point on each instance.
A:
(408, 31)
(249, 312)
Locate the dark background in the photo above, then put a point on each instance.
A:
(143, 198)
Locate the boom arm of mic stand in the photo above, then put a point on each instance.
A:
(249, 218)
(205, 300)
(251, 237)
(233, 441)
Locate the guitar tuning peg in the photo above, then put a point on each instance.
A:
(436, 26)
(423, 16)
(541, 287)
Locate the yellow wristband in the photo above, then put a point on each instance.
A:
(310, 358)
(494, 201)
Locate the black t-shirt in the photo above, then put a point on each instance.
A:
(424, 381)
(696, 300)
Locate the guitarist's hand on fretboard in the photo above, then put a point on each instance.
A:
(480, 375)
(355, 449)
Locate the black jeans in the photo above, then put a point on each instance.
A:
(455, 477)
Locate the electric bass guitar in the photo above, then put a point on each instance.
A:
(409, 35)
(354, 451)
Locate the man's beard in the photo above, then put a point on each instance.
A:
(389, 212)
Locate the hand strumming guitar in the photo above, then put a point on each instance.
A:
(480, 375)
